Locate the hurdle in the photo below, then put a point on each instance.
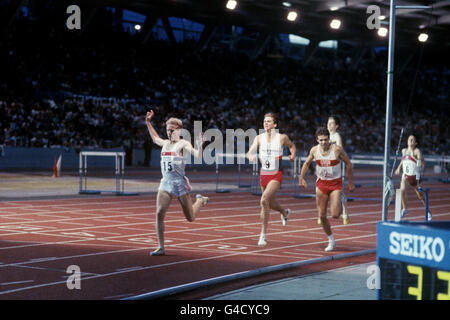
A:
(398, 204)
(367, 182)
(427, 212)
(119, 172)
(297, 189)
(360, 183)
(293, 174)
(240, 183)
(254, 186)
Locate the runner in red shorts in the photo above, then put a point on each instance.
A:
(270, 146)
(328, 159)
(411, 164)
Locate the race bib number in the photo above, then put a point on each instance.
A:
(325, 172)
(166, 165)
(269, 163)
(409, 168)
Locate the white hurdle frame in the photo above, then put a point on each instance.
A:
(119, 171)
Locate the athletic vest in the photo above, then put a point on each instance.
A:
(328, 167)
(333, 137)
(409, 165)
(270, 154)
(172, 162)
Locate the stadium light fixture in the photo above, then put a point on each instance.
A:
(335, 24)
(292, 16)
(423, 37)
(382, 32)
(231, 4)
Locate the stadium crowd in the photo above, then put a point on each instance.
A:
(76, 91)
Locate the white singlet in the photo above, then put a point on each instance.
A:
(409, 165)
(328, 167)
(271, 153)
(333, 137)
(172, 162)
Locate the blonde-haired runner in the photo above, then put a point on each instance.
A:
(174, 183)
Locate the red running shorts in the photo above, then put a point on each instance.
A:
(412, 180)
(327, 186)
(266, 176)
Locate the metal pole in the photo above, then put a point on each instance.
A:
(85, 172)
(390, 79)
(217, 173)
(123, 173)
(80, 171)
(413, 7)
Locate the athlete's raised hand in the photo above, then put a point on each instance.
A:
(149, 116)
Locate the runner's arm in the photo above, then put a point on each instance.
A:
(305, 167)
(153, 134)
(251, 154)
(344, 157)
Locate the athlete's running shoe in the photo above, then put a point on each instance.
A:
(345, 217)
(331, 245)
(262, 240)
(404, 212)
(205, 200)
(284, 219)
(158, 252)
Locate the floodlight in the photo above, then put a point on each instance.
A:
(231, 4)
(335, 24)
(382, 32)
(423, 37)
(292, 16)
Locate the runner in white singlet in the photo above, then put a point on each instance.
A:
(270, 153)
(328, 159)
(333, 125)
(173, 183)
(412, 164)
(270, 146)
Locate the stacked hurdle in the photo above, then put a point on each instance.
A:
(398, 204)
(254, 186)
(119, 172)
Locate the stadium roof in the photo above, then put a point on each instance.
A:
(313, 20)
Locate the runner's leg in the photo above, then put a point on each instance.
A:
(163, 200)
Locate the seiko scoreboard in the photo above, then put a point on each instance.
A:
(414, 260)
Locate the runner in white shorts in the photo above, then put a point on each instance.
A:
(173, 183)
(333, 125)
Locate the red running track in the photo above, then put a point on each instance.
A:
(109, 239)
